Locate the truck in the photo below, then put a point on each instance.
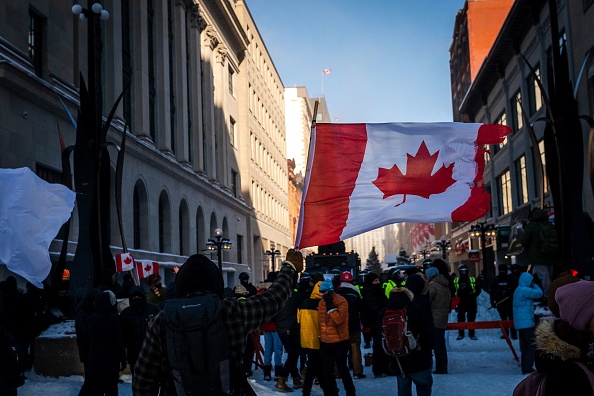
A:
(333, 260)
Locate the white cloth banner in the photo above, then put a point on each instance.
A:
(31, 214)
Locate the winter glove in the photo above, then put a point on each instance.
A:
(328, 299)
(295, 259)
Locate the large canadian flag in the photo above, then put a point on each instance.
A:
(124, 262)
(146, 268)
(364, 176)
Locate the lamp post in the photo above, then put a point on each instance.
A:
(219, 243)
(272, 253)
(444, 246)
(425, 253)
(91, 164)
(482, 231)
(413, 257)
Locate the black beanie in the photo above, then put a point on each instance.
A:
(199, 274)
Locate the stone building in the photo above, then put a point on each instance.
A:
(205, 115)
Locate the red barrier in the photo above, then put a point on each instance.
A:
(489, 324)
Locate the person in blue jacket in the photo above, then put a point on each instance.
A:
(524, 296)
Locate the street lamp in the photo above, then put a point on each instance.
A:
(272, 252)
(425, 253)
(218, 244)
(482, 231)
(413, 257)
(444, 246)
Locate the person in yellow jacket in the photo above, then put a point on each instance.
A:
(333, 314)
(309, 325)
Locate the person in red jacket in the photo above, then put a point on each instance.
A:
(333, 314)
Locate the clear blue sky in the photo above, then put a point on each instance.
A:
(389, 58)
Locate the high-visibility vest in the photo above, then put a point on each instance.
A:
(472, 283)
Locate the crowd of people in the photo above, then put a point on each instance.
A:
(313, 326)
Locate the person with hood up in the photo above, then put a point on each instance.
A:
(135, 320)
(244, 279)
(333, 314)
(439, 297)
(416, 367)
(564, 346)
(309, 330)
(524, 296)
(542, 264)
(374, 301)
(199, 275)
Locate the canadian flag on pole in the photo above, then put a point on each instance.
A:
(365, 176)
(124, 262)
(326, 71)
(146, 268)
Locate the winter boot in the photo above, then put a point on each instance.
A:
(267, 372)
(297, 381)
(277, 371)
(281, 385)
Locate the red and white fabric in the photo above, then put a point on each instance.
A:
(364, 176)
(124, 262)
(146, 268)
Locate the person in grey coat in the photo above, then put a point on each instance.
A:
(524, 296)
(440, 298)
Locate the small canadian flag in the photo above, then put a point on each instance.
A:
(326, 71)
(146, 268)
(124, 262)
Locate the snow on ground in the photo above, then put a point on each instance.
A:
(485, 366)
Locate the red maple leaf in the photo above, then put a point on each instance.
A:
(148, 268)
(418, 179)
(127, 260)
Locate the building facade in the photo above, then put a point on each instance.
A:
(203, 108)
(524, 69)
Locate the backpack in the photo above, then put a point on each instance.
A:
(12, 366)
(549, 240)
(197, 345)
(535, 383)
(397, 339)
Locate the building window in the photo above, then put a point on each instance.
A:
(501, 120)
(516, 106)
(231, 76)
(521, 180)
(541, 149)
(35, 41)
(232, 131)
(534, 93)
(150, 16)
(127, 64)
(136, 218)
(234, 182)
(505, 193)
(239, 249)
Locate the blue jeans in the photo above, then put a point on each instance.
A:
(423, 381)
(272, 343)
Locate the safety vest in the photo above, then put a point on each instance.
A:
(389, 285)
(470, 278)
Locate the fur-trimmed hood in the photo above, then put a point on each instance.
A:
(400, 297)
(550, 345)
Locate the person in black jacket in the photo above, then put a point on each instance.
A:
(416, 367)
(104, 348)
(351, 294)
(502, 297)
(135, 319)
(374, 301)
(288, 330)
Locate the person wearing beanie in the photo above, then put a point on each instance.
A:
(564, 345)
(200, 276)
(351, 294)
(374, 303)
(333, 315)
(524, 296)
(440, 300)
(415, 367)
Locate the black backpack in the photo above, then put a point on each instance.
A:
(549, 240)
(197, 345)
(12, 367)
